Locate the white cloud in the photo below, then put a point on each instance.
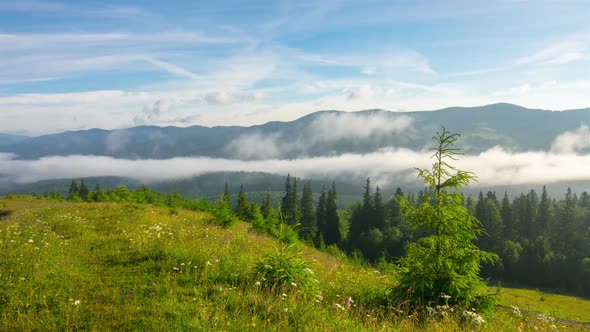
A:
(227, 98)
(171, 68)
(493, 167)
(152, 112)
(361, 92)
(557, 54)
(368, 71)
(257, 147)
(523, 89)
(338, 126)
(325, 128)
(575, 141)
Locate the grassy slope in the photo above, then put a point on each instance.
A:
(66, 266)
(561, 306)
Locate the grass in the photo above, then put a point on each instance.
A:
(114, 267)
(558, 306)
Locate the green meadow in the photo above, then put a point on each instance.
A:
(123, 267)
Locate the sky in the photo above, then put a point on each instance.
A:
(71, 65)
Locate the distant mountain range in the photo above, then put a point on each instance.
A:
(317, 134)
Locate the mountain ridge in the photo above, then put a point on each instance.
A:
(315, 134)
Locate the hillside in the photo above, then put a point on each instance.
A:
(107, 266)
(317, 134)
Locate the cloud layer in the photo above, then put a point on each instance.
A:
(496, 166)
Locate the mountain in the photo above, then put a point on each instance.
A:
(321, 133)
(9, 139)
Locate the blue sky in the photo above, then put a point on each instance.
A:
(68, 65)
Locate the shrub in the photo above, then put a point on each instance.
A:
(283, 269)
(223, 214)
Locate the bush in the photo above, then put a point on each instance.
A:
(223, 214)
(283, 269)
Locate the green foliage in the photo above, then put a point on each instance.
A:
(331, 226)
(308, 229)
(290, 202)
(284, 266)
(445, 262)
(223, 214)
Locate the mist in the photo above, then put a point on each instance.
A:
(326, 129)
(496, 166)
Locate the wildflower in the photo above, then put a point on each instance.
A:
(349, 302)
(545, 318)
(77, 302)
(516, 311)
(337, 306)
(293, 284)
(473, 317)
(319, 297)
(257, 283)
(308, 270)
(445, 296)
(31, 241)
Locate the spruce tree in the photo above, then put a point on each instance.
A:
(242, 207)
(73, 192)
(378, 211)
(83, 190)
(266, 209)
(545, 212)
(289, 202)
(366, 217)
(97, 193)
(308, 215)
(321, 217)
(226, 194)
(506, 213)
(332, 228)
(445, 262)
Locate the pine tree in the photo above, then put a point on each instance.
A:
(510, 230)
(545, 213)
(378, 211)
(97, 193)
(530, 219)
(289, 206)
(332, 227)
(243, 207)
(321, 217)
(73, 192)
(226, 194)
(83, 190)
(308, 215)
(266, 209)
(446, 261)
(366, 216)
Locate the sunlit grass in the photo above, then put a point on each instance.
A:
(559, 306)
(101, 266)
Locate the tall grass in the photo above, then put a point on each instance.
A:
(105, 266)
